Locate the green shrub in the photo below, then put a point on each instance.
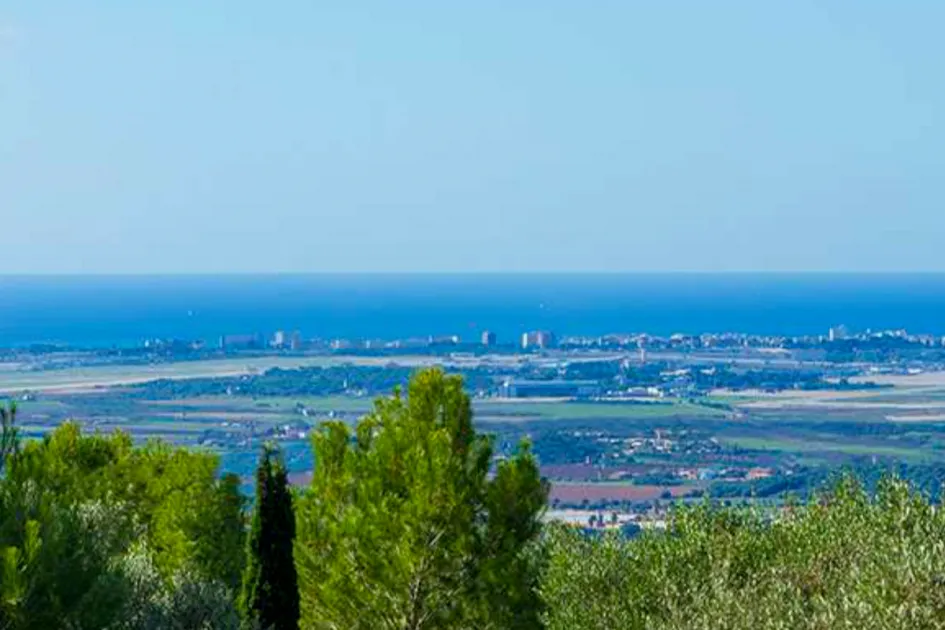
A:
(843, 560)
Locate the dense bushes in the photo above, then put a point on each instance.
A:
(843, 560)
(304, 381)
(95, 533)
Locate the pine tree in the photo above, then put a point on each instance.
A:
(403, 529)
(270, 596)
(515, 501)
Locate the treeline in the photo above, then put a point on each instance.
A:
(928, 478)
(703, 378)
(881, 350)
(308, 381)
(403, 527)
(374, 380)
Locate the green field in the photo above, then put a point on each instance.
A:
(318, 404)
(809, 434)
(791, 445)
(485, 410)
(184, 421)
(504, 410)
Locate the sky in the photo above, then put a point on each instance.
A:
(538, 135)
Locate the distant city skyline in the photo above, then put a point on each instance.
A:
(434, 137)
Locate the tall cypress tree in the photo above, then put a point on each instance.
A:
(270, 596)
(9, 440)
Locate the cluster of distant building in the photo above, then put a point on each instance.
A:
(732, 340)
(280, 340)
(283, 340)
(539, 340)
(842, 333)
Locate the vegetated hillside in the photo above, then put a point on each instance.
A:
(843, 560)
(404, 528)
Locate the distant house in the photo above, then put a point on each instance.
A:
(448, 340)
(758, 473)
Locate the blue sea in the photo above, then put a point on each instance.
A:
(107, 311)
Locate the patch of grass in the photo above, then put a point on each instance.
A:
(267, 405)
(901, 395)
(733, 400)
(160, 427)
(485, 410)
(789, 445)
(320, 404)
(591, 410)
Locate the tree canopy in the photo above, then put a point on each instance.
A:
(402, 527)
(88, 523)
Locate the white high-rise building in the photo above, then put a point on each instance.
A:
(542, 339)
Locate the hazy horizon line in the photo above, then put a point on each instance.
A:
(565, 272)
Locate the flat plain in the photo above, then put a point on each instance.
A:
(901, 422)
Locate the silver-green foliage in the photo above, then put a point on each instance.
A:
(183, 603)
(844, 560)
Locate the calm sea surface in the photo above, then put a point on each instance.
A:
(123, 311)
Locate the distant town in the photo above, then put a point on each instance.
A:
(834, 339)
(623, 424)
(700, 362)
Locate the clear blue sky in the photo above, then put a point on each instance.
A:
(230, 135)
